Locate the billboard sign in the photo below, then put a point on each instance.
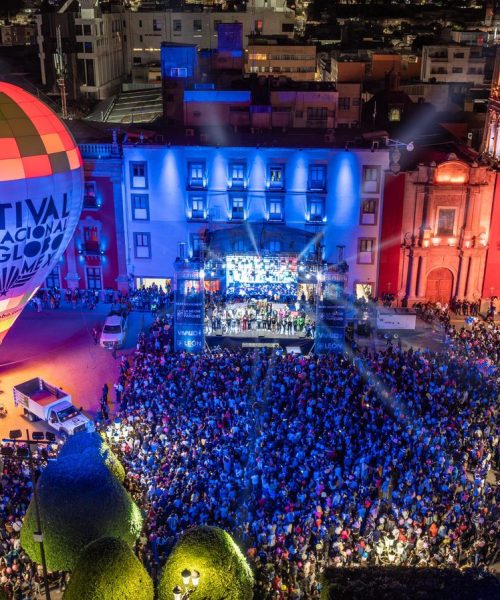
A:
(189, 309)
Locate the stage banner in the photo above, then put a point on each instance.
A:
(330, 314)
(189, 308)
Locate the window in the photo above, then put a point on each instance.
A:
(197, 207)
(237, 175)
(259, 25)
(156, 25)
(344, 103)
(178, 72)
(94, 281)
(197, 25)
(316, 209)
(274, 245)
(237, 208)
(140, 23)
(138, 175)
(458, 55)
(140, 207)
(53, 279)
(276, 209)
(287, 28)
(141, 38)
(277, 177)
(317, 114)
(196, 173)
(91, 239)
(368, 211)
(87, 30)
(89, 196)
(394, 114)
(365, 251)
(317, 178)
(142, 245)
(446, 221)
(371, 176)
(177, 24)
(87, 47)
(196, 245)
(457, 70)
(239, 245)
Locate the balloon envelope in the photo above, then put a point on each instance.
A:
(41, 193)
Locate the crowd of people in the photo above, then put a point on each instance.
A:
(371, 458)
(378, 458)
(257, 316)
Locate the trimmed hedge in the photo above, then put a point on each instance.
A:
(407, 583)
(224, 572)
(108, 570)
(93, 445)
(80, 501)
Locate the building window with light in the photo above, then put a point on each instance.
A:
(196, 245)
(316, 210)
(237, 208)
(237, 171)
(368, 211)
(142, 245)
(138, 175)
(394, 114)
(371, 179)
(91, 239)
(90, 196)
(94, 278)
(275, 208)
(446, 221)
(366, 248)
(277, 177)
(140, 207)
(317, 178)
(197, 207)
(197, 175)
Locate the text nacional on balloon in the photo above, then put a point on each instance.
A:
(41, 193)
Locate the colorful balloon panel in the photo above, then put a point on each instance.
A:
(41, 194)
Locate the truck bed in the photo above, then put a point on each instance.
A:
(43, 397)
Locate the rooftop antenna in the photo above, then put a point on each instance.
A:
(60, 71)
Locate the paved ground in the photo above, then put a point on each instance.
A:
(58, 346)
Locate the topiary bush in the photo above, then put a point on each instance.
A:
(80, 501)
(93, 445)
(224, 571)
(108, 570)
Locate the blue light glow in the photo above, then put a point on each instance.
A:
(219, 96)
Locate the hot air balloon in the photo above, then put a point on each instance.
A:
(41, 194)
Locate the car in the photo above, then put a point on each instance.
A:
(114, 332)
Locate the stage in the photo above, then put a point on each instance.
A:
(262, 339)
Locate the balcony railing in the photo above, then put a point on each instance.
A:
(99, 150)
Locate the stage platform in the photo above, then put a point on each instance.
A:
(261, 339)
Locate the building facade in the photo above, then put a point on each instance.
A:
(310, 204)
(95, 257)
(278, 55)
(453, 64)
(435, 241)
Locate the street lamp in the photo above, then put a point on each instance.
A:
(25, 453)
(188, 577)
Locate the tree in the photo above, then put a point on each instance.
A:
(80, 501)
(108, 570)
(94, 447)
(224, 571)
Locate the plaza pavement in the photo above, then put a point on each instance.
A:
(58, 346)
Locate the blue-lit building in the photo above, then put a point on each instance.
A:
(212, 197)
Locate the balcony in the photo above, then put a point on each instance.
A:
(99, 150)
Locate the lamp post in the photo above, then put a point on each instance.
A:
(188, 577)
(25, 453)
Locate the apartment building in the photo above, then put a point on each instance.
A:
(279, 55)
(453, 64)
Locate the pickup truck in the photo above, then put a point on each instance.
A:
(114, 331)
(43, 401)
